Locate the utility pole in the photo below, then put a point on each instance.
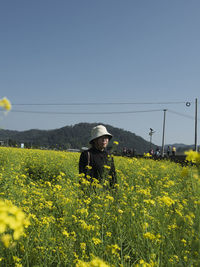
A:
(163, 137)
(195, 135)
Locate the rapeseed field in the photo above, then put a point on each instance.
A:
(47, 218)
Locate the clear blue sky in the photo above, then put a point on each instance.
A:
(86, 51)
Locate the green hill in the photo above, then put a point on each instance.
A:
(75, 136)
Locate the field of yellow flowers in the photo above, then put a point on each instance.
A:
(151, 218)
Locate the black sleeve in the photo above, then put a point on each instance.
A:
(83, 162)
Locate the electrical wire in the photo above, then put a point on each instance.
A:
(100, 103)
(85, 113)
(181, 114)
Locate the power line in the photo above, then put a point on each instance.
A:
(101, 103)
(85, 113)
(181, 114)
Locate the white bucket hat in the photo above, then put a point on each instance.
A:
(99, 131)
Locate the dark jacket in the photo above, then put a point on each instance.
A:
(97, 160)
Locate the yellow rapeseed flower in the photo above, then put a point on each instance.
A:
(12, 218)
(115, 249)
(65, 233)
(142, 263)
(149, 235)
(110, 198)
(88, 167)
(109, 234)
(107, 167)
(5, 104)
(96, 240)
(147, 155)
(83, 246)
(96, 262)
(120, 211)
(193, 156)
(166, 200)
(6, 240)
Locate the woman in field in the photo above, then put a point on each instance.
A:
(96, 162)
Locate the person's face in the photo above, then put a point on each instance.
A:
(101, 142)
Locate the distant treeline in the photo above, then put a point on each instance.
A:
(75, 137)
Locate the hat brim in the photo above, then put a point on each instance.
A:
(109, 136)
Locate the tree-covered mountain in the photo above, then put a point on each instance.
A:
(75, 136)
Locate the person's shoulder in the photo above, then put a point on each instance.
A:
(92, 150)
(85, 151)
